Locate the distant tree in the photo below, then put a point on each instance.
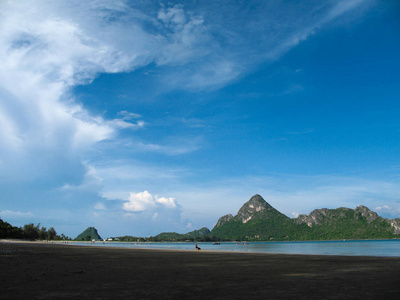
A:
(5, 228)
(43, 233)
(31, 231)
(51, 233)
(88, 238)
(9, 231)
(16, 233)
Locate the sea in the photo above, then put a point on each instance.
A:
(383, 248)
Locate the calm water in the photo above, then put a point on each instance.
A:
(362, 248)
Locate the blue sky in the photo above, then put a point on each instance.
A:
(144, 117)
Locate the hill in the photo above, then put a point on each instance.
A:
(258, 220)
(196, 235)
(89, 234)
(346, 223)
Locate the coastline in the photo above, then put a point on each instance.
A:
(40, 270)
(364, 248)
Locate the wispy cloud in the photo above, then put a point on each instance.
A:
(172, 149)
(47, 48)
(126, 115)
(388, 211)
(5, 214)
(120, 123)
(91, 182)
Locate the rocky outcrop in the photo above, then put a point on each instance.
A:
(327, 216)
(223, 220)
(314, 218)
(365, 212)
(395, 224)
(254, 205)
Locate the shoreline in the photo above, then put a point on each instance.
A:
(139, 247)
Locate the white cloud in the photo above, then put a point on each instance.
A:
(126, 121)
(144, 201)
(389, 211)
(100, 206)
(184, 36)
(91, 181)
(385, 207)
(15, 214)
(49, 47)
(128, 115)
(155, 217)
(187, 146)
(167, 202)
(139, 202)
(120, 123)
(44, 55)
(174, 15)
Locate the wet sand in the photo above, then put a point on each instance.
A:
(46, 271)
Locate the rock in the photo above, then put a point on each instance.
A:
(223, 220)
(365, 212)
(254, 205)
(314, 218)
(395, 223)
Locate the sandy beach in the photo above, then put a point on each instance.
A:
(44, 271)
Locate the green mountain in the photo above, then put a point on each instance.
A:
(346, 223)
(257, 220)
(201, 234)
(89, 234)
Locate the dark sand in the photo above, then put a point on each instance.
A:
(42, 271)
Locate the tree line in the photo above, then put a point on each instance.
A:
(29, 232)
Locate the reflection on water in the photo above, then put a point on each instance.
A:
(362, 248)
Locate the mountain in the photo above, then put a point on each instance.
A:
(89, 234)
(223, 220)
(200, 234)
(346, 223)
(258, 220)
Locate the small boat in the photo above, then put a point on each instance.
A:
(216, 243)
